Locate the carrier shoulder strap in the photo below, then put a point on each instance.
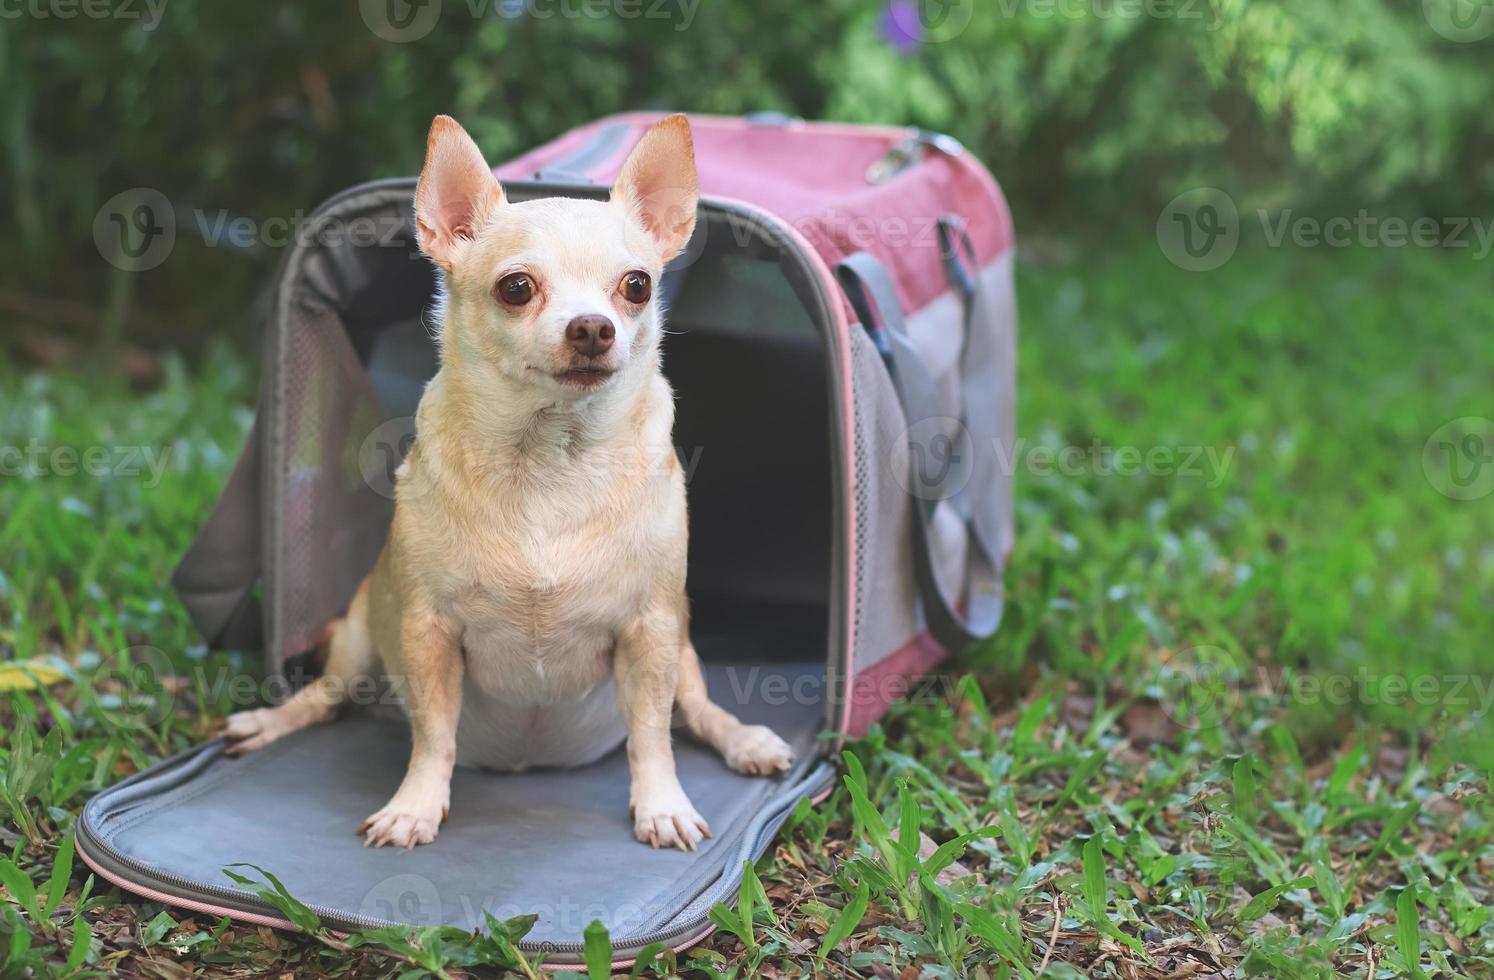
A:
(976, 615)
(217, 577)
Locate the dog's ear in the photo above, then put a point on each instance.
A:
(658, 184)
(456, 194)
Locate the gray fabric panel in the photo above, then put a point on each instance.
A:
(556, 843)
(337, 459)
(889, 614)
(1000, 298)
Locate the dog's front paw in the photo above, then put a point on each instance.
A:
(668, 820)
(247, 731)
(404, 824)
(755, 750)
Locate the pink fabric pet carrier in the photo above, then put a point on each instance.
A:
(842, 348)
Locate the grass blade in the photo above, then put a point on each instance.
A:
(62, 873)
(278, 897)
(597, 951)
(1266, 900)
(1408, 931)
(1095, 892)
(849, 918)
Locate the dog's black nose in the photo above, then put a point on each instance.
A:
(590, 335)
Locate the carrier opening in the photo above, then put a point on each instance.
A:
(748, 365)
(753, 428)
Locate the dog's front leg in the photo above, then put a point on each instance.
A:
(646, 667)
(431, 656)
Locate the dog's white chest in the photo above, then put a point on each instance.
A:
(498, 733)
(538, 631)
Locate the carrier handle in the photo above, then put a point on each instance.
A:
(574, 167)
(872, 295)
(217, 576)
(978, 356)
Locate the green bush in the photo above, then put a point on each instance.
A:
(1085, 109)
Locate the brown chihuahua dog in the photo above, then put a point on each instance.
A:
(529, 604)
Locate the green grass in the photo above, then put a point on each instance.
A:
(1236, 722)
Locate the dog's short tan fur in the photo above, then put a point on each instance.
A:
(529, 604)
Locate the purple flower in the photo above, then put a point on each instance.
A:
(902, 26)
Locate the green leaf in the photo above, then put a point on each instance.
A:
(951, 851)
(728, 921)
(910, 819)
(1346, 927)
(746, 895)
(157, 928)
(62, 873)
(19, 884)
(597, 951)
(1408, 931)
(1343, 771)
(277, 897)
(904, 858)
(1027, 725)
(1398, 822)
(999, 936)
(849, 918)
(649, 957)
(854, 769)
(1095, 891)
(1266, 900)
(1245, 792)
(77, 953)
(1083, 775)
(515, 928)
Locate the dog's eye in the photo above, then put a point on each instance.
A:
(636, 287)
(515, 289)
